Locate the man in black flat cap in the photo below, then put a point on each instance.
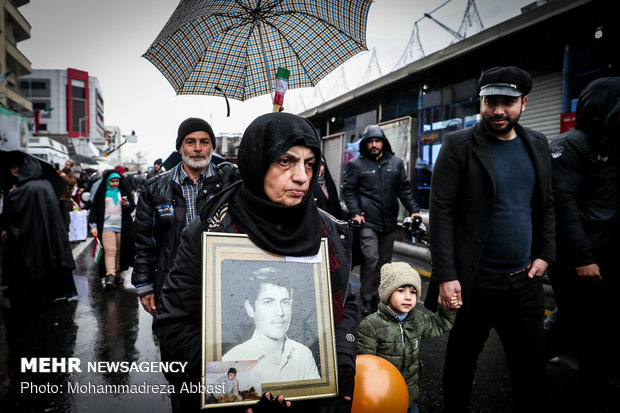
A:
(492, 238)
(169, 201)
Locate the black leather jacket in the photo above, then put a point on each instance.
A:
(160, 218)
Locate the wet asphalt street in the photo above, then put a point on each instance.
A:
(97, 325)
(101, 325)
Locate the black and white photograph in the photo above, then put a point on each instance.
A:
(268, 316)
(269, 312)
(230, 382)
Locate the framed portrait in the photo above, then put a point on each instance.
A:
(267, 323)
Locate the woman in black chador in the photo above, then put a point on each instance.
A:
(37, 261)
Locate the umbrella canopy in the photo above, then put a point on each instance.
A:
(87, 160)
(237, 45)
(50, 173)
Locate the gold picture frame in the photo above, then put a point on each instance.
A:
(277, 334)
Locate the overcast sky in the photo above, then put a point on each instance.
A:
(107, 39)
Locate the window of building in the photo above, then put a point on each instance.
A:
(35, 87)
(40, 104)
(451, 108)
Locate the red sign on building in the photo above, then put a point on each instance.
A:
(567, 121)
(77, 103)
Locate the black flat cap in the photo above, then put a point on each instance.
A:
(505, 81)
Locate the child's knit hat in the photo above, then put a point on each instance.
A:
(396, 274)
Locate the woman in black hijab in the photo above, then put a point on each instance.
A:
(278, 161)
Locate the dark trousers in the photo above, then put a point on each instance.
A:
(65, 209)
(588, 315)
(377, 248)
(514, 306)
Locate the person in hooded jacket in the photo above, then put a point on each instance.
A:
(273, 204)
(110, 220)
(585, 166)
(37, 259)
(372, 185)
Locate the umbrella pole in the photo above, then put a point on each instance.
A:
(262, 45)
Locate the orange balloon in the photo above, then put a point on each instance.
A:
(379, 387)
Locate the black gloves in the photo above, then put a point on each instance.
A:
(269, 404)
(336, 405)
(346, 385)
(346, 381)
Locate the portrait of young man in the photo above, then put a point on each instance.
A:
(268, 303)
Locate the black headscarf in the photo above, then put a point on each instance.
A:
(285, 230)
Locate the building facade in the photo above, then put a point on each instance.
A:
(14, 28)
(67, 105)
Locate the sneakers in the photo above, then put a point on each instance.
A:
(118, 278)
(109, 282)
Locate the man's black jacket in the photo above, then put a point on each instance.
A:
(374, 188)
(462, 201)
(160, 218)
(586, 178)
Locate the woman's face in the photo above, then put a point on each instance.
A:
(288, 178)
(114, 182)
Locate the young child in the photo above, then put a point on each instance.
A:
(394, 331)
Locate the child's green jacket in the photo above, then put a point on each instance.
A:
(382, 334)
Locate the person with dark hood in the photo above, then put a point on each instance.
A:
(325, 192)
(111, 222)
(37, 259)
(585, 166)
(372, 185)
(273, 204)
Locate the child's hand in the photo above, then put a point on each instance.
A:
(455, 301)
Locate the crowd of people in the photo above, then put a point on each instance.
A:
(37, 205)
(502, 202)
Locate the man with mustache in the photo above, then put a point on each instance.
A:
(169, 201)
(492, 238)
(269, 304)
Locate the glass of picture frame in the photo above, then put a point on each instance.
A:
(267, 323)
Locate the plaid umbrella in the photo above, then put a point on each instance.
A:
(237, 45)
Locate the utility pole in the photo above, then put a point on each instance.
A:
(470, 17)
